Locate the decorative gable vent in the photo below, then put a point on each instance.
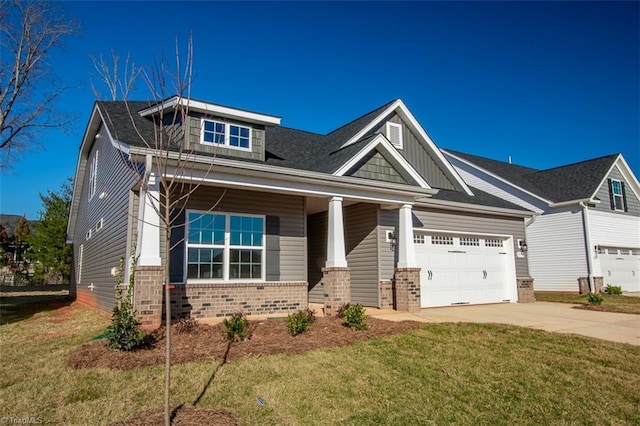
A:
(394, 134)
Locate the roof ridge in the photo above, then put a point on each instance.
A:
(578, 163)
(361, 116)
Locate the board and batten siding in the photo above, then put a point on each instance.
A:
(416, 154)
(633, 204)
(285, 237)
(361, 246)
(103, 250)
(317, 234)
(194, 122)
(557, 251)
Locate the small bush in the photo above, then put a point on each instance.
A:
(235, 328)
(595, 298)
(300, 321)
(354, 317)
(124, 333)
(343, 308)
(186, 325)
(613, 289)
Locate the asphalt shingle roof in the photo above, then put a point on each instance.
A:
(565, 183)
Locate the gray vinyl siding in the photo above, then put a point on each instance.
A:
(317, 234)
(376, 167)
(361, 246)
(415, 153)
(633, 204)
(456, 222)
(286, 244)
(257, 139)
(102, 252)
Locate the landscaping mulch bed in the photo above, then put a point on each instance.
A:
(183, 416)
(205, 342)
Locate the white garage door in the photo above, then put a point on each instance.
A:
(463, 269)
(621, 267)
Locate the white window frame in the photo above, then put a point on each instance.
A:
(227, 134)
(617, 197)
(93, 176)
(227, 247)
(99, 224)
(89, 234)
(398, 126)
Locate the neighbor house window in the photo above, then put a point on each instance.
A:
(617, 195)
(231, 135)
(93, 176)
(225, 246)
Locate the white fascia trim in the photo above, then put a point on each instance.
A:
(219, 110)
(626, 172)
(488, 173)
(383, 142)
(452, 205)
(572, 202)
(406, 114)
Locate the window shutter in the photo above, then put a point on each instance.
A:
(624, 197)
(611, 201)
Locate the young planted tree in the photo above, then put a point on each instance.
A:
(173, 160)
(48, 252)
(30, 32)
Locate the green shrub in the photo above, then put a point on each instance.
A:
(300, 321)
(235, 328)
(613, 289)
(354, 317)
(595, 298)
(124, 333)
(343, 308)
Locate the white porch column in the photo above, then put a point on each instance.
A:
(149, 240)
(406, 248)
(336, 257)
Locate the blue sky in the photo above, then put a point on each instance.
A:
(547, 83)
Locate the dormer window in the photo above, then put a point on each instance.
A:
(616, 191)
(226, 134)
(394, 134)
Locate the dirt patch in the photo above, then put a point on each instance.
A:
(183, 416)
(205, 342)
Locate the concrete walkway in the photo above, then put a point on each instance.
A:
(557, 317)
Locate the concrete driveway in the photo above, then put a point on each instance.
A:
(557, 317)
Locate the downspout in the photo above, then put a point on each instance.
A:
(587, 237)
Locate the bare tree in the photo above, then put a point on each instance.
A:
(173, 159)
(29, 33)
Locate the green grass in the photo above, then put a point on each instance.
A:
(612, 303)
(438, 374)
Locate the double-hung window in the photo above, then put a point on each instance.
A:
(225, 246)
(617, 194)
(226, 134)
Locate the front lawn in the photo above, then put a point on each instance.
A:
(438, 374)
(612, 303)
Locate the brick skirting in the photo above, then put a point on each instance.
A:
(525, 290)
(386, 294)
(408, 289)
(337, 289)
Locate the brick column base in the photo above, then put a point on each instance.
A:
(525, 290)
(337, 289)
(408, 289)
(583, 284)
(147, 295)
(386, 294)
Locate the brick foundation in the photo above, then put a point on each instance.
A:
(583, 284)
(337, 289)
(525, 290)
(224, 299)
(408, 289)
(386, 294)
(148, 295)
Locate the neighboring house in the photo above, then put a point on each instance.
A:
(587, 234)
(371, 213)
